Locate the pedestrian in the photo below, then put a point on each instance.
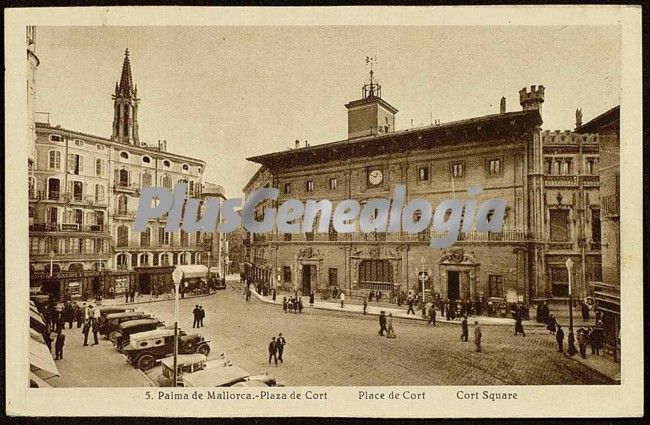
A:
(47, 336)
(201, 316)
(284, 304)
(432, 315)
(86, 330)
(280, 343)
(519, 327)
(379, 294)
(463, 325)
(195, 313)
(559, 337)
(585, 311)
(382, 323)
(390, 331)
(77, 311)
(300, 305)
(58, 345)
(273, 349)
(582, 342)
(274, 292)
(68, 314)
(342, 298)
(133, 294)
(551, 323)
(126, 294)
(590, 339)
(95, 330)
(571, 342)
(311, 298)
(371, 295)
(597, 335)
(365, 305)
(477, 336)
(411, 301)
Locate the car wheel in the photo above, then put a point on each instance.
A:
(203, 349)
(146, 362)
(113, 336)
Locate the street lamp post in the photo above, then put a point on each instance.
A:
(51, 262)
(572, 344)
(177, 276)
(423, 261)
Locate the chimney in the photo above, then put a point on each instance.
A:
(306, 144)
(297, 143)
(502, 108)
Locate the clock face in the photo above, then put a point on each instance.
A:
(376, 177)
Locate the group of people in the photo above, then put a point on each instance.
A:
(478, 333)
(276, 349)
(199, 315)
(590, 336)
(293, 304)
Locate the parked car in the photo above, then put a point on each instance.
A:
(227, 377)
(125, 329)
(113, 320)
(186, 363)
(104, 311)
(144, 348)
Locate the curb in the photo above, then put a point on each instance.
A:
(614, 379)
(161, 299)
(415, 317)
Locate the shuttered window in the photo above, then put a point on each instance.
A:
(559, 225)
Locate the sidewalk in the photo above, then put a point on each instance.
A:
(602, 364)
(374, 310)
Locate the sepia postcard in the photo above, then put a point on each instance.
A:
(383, 212)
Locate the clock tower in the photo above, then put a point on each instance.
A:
(370, 115)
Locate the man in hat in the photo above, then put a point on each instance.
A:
(382, 323)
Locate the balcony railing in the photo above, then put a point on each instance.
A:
(560, 181)
(126, 187)
(67, 197)
(590, 181)
(123, 214)
(154, 246)
(560, 246)
(507, 235)
(67, 227)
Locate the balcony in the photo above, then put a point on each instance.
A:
(117, 213)
(560, 181)
(67, 227)
(125, 187)
(590, 181)
(560, 246)
(136, 246)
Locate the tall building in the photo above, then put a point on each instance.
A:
(83, 198)
(548, 179)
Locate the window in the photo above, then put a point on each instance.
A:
(99, 167)
(99, 218)
(333, 183)
(55, 138)
(124, 155)
(146, 160)
(184, 238)
(559, 225)
(287, 237)
(79, 217)
(163, 236)
(333, 276)
(122, 178)
(166, 163)
(595, 225)
(190, 189)
(286, 274)
(423, 174)
(563, 166)
(167, 182)
(55, 160)
(185, 167)
(78, 143)
(495, 285)
(310, 186)
(101, 147)
(146, 179)
(122, 204)
(457, 169)
(559, 281)
(144, 259)
(77, 190)
(287, 188)
(75, 164)
(494, 167)
(591, 166)
(100, 193)
(122, 235)
(309, 236)
(548, 166)
(164, 259)
(145, 237)
(52, 215)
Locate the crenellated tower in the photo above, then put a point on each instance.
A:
(125, 107)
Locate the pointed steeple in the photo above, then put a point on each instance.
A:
(125, 106)
(126, 81)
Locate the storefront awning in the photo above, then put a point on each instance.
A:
(37, 336)
(37, 317)
(38, 381)
(193, 271)
(41, 359)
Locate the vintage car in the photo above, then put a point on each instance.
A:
(125, 329)
(113, 320)
(226, 377)
(186, 363)
(144, 348)
(103, 311)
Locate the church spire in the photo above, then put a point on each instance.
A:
(125, 106)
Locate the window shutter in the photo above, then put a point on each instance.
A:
(70, 166)
(81, 164)
(116, 177)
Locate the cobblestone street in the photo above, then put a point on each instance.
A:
(339, 348)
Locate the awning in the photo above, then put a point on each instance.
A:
(193, 271)
(39, 382)
(41, 359)
(37, 336)
(36, 316)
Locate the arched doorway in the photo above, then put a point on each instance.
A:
(376, 275)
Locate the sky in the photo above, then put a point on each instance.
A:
(226, 93)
